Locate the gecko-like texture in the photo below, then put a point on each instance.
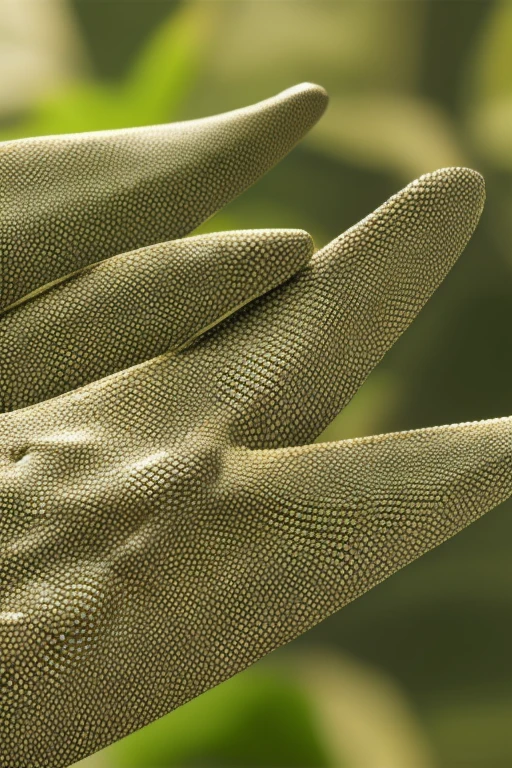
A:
(70, 201)
(140, 304)
(167, 525)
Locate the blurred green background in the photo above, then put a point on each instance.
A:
(417, 673)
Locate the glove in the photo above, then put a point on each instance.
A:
(165, 521)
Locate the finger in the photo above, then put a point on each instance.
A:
(136, 306)
(69, 201)
(307, 347)
(322, 524)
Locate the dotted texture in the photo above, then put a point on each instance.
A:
(135, 306)
(164, 527)
(69, 201)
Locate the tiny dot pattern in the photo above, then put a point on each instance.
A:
(166, 526)
(72, 200)
(136, 306)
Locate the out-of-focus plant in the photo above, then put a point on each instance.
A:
(264, 718)
(151, 93)
(314, 710)
(40, 50)
(490, 103)
(368, 55)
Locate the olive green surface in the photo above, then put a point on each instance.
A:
(167, 524)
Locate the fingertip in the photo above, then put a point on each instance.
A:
(289, 114)
(291, 239)
(295, 245)
(457, 185)
(315, 96)
(456, 173)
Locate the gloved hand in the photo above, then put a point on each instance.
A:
(166, 526)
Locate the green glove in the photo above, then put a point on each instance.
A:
(166, 526)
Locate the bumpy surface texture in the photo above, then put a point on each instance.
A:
(140, 305)
(167, 525)
(70, 201)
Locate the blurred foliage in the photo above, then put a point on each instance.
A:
(115, 32)
(304, 710)
(414, 86)
(40, 49)
(151, 91)
(256, 720)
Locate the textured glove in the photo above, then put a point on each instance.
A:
(167, 524)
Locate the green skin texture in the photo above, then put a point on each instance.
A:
(165, 520)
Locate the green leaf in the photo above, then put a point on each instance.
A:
(490, 76)
(490, 87)
(153, 91)
(254, 719)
